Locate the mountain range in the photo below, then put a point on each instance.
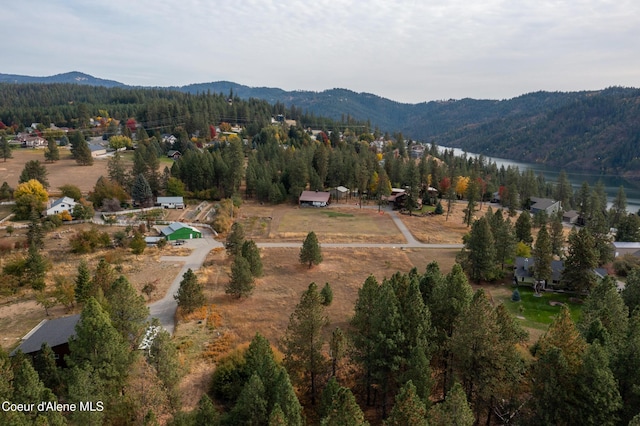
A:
(592, 130)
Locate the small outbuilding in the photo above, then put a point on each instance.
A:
(340, 192)
(170, 202)
(55, 333)
(180, 231)
(314, 199)
(621, 248)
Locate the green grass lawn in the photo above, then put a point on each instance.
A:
(537, 311)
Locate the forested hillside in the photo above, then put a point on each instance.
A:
(594, 130)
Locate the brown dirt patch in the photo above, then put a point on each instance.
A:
(65, 171)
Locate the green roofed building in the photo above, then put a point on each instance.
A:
(180, 231)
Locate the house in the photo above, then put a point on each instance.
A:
(570, 217)
(314, 199)
(544, 204)
(170, 202)
(621, 248)
(29, 141)
(173, 154)
(397, 199)
(523, 272)
(180, 231)
(60, 205)
(55, 333)
(417, 151)
(170, 139)
(97, 150)
(340, 192)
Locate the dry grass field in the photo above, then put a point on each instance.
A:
(19, 313)
(332, 225)
(276, 294)
(65, 171)
(437, 229)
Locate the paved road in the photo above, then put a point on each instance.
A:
(165, 308)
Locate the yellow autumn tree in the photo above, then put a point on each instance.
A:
(29, 196)
(462, 184)
(120, 141)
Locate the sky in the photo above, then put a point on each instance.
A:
(405, 50)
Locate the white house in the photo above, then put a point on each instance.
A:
(60, 205)
(171, 202)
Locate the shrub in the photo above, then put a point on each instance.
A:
(515, 296)
(88, 241)
(624, 264)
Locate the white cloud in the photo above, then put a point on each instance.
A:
(408, 50)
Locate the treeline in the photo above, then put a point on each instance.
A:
(162, 110)
(425, 348)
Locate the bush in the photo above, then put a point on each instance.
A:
(89, 241)
(515, 296)
(624, 264)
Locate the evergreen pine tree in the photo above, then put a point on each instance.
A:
(52, 153)
(454, 411)
(127, 310)
(310, 253)
(33, 169)
(45, 364)
(5, 148)
(235, 239)
(344, 411)
(99, 345)
(523, 228)
(581, 260)
(83, 283)
(327, 294)
(206, 413)
(479, 255)
(542, 256)
(80, 149)
(408, 409)
(241, 281)
(141, 191)
(251, 253)
(190, 295)
(303, 341)
(251, 407)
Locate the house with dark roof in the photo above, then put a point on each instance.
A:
(570, 217)
(180, 231)
(544, 204)
(55, 333)
(314, 199)
(523, 272)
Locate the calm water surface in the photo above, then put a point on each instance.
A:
(576, 177)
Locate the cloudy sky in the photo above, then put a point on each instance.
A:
(405, 50)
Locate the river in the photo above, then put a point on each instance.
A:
(576, 178)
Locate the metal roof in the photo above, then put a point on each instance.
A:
(52, 332)
(173, 227)
(315, 196)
